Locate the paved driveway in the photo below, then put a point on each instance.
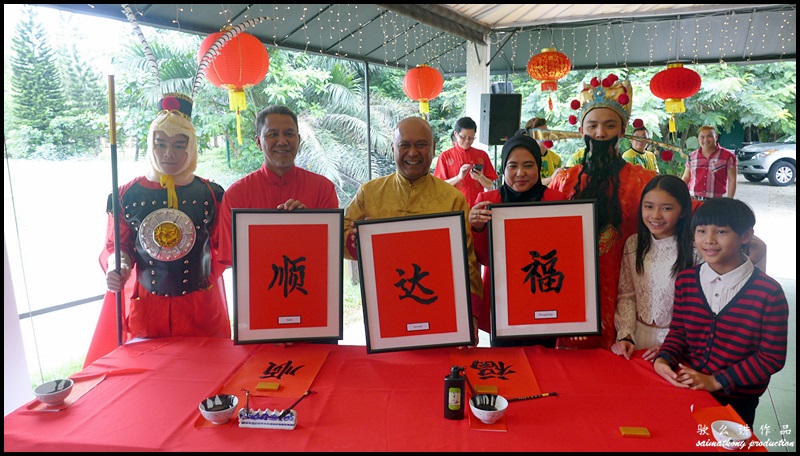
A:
(776, 223)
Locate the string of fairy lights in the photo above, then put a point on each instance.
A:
(342, 29)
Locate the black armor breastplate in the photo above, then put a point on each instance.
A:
(172, 249)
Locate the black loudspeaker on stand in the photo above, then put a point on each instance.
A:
(500, 117)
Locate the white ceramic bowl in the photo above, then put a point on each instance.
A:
(219, 409)
(489, 416)
(54, 392)
(731, 435)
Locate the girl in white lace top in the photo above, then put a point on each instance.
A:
(651, 260)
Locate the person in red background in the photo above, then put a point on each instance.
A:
(522, 182)
(710, 170)
(167, 242)
(278, 184)
(457, 164)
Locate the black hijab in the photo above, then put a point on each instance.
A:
(535, 193)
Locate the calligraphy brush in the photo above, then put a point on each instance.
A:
(538, 396)
(286, 412)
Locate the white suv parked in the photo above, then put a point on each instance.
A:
(773, 160)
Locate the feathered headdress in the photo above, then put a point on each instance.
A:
(207, 58)
(175, 109)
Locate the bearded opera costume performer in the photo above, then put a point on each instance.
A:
(616, 185)
(167, 240)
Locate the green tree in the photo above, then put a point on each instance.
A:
(84, 87)
(35, 81)
(79, 127)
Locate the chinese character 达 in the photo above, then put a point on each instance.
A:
(414, 283)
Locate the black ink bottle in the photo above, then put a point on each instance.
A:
(454, 394)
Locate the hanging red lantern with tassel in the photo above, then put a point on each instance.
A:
(423, 84)
(673, 85)
(549, 67)
(242, 62)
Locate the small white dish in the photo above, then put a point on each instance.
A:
(54, 392)
(730, 434)
(488, 416)
(219, 409)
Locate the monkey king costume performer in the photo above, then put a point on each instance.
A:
(167, 240)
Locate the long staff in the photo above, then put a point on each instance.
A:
(112, 126)
(557, 135)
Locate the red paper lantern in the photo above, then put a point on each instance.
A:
(423, 84)
(241, 63)
(673, 85)
(549, 67)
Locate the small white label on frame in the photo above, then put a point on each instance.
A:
(418, 326)
(545, 314)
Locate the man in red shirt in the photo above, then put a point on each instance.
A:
(710, 170)
(278, 184)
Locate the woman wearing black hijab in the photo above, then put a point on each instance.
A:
(521, 159)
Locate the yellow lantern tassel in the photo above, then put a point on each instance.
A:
(672, 128)
(238, 102)
(424, 108)
(675, 105)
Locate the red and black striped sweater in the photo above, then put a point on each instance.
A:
(742, 346)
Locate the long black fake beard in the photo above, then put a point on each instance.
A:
(601, 165)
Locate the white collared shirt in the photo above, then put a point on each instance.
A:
(720, 289)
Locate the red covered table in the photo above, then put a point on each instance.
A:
(380, 402)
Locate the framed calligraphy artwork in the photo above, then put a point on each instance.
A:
(544, 269)
(287, 273)
(415, 282)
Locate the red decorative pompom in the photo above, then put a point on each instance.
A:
(573, 120)
(623, 99)
(170, 104)
(595, 82)
(613, 78)
(607, 82)
(637, 124)
(576, 104)
(547, 144)
(666, 155)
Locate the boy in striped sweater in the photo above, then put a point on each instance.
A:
(729, 323)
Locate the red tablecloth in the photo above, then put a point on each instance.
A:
(379, 402)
